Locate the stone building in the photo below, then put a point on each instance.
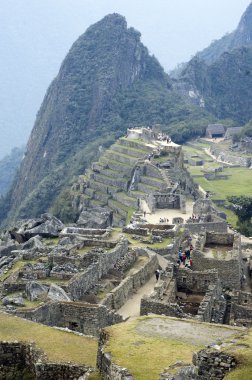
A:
(215, 131)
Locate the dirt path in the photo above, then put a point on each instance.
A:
(132, 307)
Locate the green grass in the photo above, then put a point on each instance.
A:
(129, 148)
(51, 241)
(244, 357)
(147, 354)
(231, 217)
(145, 357)
(18, 265)
(137, 243)
(239, 182)
(59, 346)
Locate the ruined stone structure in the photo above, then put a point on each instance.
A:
(141, 166)
(221, 251)
(230, 158)
(24, 360)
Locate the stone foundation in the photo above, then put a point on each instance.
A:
(23, 360)
(85, 318)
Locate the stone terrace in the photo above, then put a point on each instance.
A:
(128, 172)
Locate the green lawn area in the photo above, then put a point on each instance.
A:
(239, 182)
(146, 353)
(145, 357)
(59, 346)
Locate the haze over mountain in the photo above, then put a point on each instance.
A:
(241, 36)
(35, 37)
(221, 75)
(107, 82)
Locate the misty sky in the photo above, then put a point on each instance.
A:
(37, 34)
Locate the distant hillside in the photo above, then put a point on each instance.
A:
(220, 77)
(241, 37)
(9, 166)
(107, 82)
(225, 86)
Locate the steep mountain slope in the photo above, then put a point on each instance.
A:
(219, 78)
(8, 168)
(107, 82)
(242, 36)
(225, 86)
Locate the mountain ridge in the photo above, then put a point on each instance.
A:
(107, 83)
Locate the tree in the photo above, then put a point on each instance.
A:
(242, 207)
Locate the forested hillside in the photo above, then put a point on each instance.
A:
(107, 83)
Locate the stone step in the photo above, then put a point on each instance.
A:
(100, 196)
(137, 153)
(96, 203)
(84, 199)
(118, 208)
(137, 194)
(115, 165)
(89, 192)
(120, 157)
(118, 220)
(135, 144)
(125, 199)
(98, 186)
(157, 182)
(116, 174)
(147, 188)
(109, 181)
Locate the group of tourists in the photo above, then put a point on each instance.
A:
(163, 137)
(163, 220)
(184, 257)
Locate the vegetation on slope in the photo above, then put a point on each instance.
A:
(107, 83)
(8, 168)
(225, 85)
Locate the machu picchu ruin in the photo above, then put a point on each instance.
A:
(139, 210)
(126, 220)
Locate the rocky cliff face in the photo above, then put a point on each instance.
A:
(241, 37)
(219, 78)
(107, 82)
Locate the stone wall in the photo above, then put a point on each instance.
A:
(108, 369)
(228, 157)
(229, 268)
(196, 281)
(242, 313)
(135, 231)
(118, 296)
(208, 226)
(82, 282)
(213, 364)
(208, 364)
(220, 238)
(83, 317)
(23, 360)
(207, 305)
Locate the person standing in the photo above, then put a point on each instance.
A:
(157, 273)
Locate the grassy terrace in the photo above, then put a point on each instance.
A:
(129, 148)
(244, 355)
(147, 345)
(137, 243)
(239, 182)
(59, 346)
